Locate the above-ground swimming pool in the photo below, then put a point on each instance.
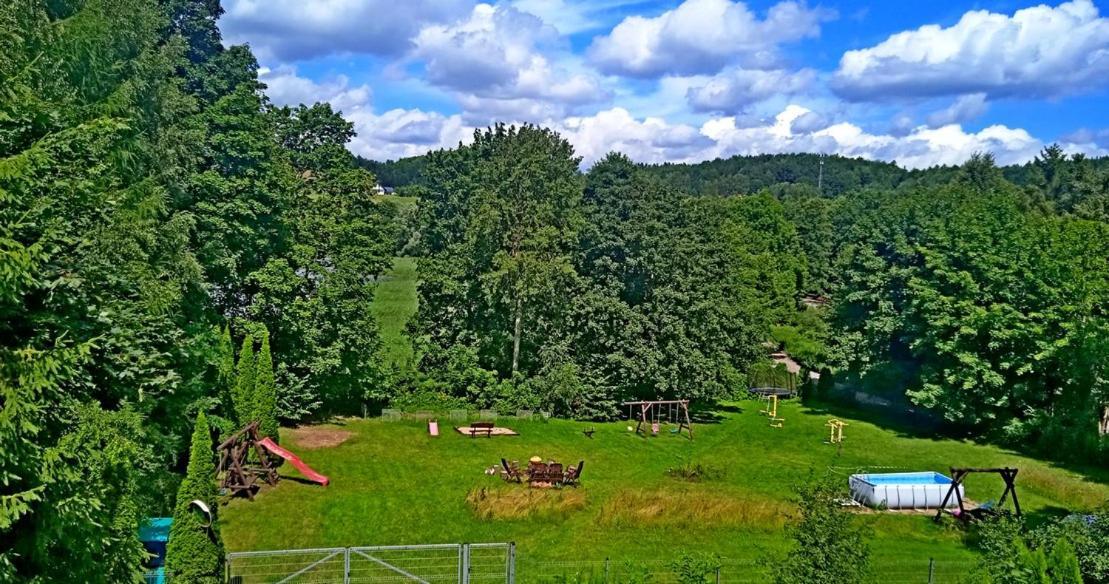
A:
(902, 490)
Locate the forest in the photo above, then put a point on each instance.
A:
(158, 211)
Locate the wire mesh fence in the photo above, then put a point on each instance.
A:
(426, 564)
(727, 571)
(488, 563)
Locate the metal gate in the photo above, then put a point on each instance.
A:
(403, 564)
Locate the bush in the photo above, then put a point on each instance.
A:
(694, 568)
(829, 547)
(244, 382)
(265, 392)
(194, 554)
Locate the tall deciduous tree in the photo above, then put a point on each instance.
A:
(500, 222)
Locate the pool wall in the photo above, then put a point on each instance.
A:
(902, 490)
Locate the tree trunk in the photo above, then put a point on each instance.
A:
(518, 327)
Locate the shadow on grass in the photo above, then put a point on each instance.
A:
(912, 424)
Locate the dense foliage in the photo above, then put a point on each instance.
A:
(156, 211)
(829, 543)
(1069, 550)
(149, 196)
(541, 290)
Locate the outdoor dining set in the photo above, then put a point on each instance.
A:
(541, 474)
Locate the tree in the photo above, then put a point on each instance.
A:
(829, 546)
(245, 382)
(195, 552)
(499, 223)
(225, 374)
(265, 392)
(1063, 564)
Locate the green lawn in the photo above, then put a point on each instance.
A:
(394, 484)
(395, 303)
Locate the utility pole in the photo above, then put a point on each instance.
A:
(820, 176)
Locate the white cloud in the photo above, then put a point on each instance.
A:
(285, 87)
(400, 133)
(702, 36)
(794, 129)
(1037, 52)
(735, 89)
(300, 29)
(571, 16)
(500, 54)
(1089, 140)
(649, 140)
(964, 109)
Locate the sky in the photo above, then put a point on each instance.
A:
(918, 82)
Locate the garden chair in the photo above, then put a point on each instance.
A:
(512, 472)
(573, 474)
(555, 473)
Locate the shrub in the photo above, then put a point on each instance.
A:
(694, 568)
(194, 554)
(829, 547)
(265, 392)
(244, 382)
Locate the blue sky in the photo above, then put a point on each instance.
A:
(920, 83)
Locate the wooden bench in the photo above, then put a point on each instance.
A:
(481, 428)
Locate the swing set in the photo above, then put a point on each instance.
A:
(651, 412)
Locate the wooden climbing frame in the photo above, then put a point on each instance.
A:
(240, 474)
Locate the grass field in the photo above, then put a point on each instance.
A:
(394, 304)
(394, 484)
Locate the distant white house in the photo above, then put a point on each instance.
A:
(380, 190)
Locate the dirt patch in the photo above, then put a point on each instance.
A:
(313, 437)
(520, 502)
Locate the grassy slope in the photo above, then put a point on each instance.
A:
(392, 484)
(395, 303)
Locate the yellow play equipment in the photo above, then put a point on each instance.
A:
(835, 430)
(771, 411)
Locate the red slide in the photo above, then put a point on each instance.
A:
(295, 461)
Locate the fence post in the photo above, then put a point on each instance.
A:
(718, 575)
(931, 570)
(511, 562)
(465, 564)
(606, 570)
(346, 566)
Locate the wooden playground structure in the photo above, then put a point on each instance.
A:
(240, 474)
(241, 471)
(958, 475)
(652, 412)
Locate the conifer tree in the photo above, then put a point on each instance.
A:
(244, 382)
(226, 373)
(1063, 564)
(194, 554)
(265, 392)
